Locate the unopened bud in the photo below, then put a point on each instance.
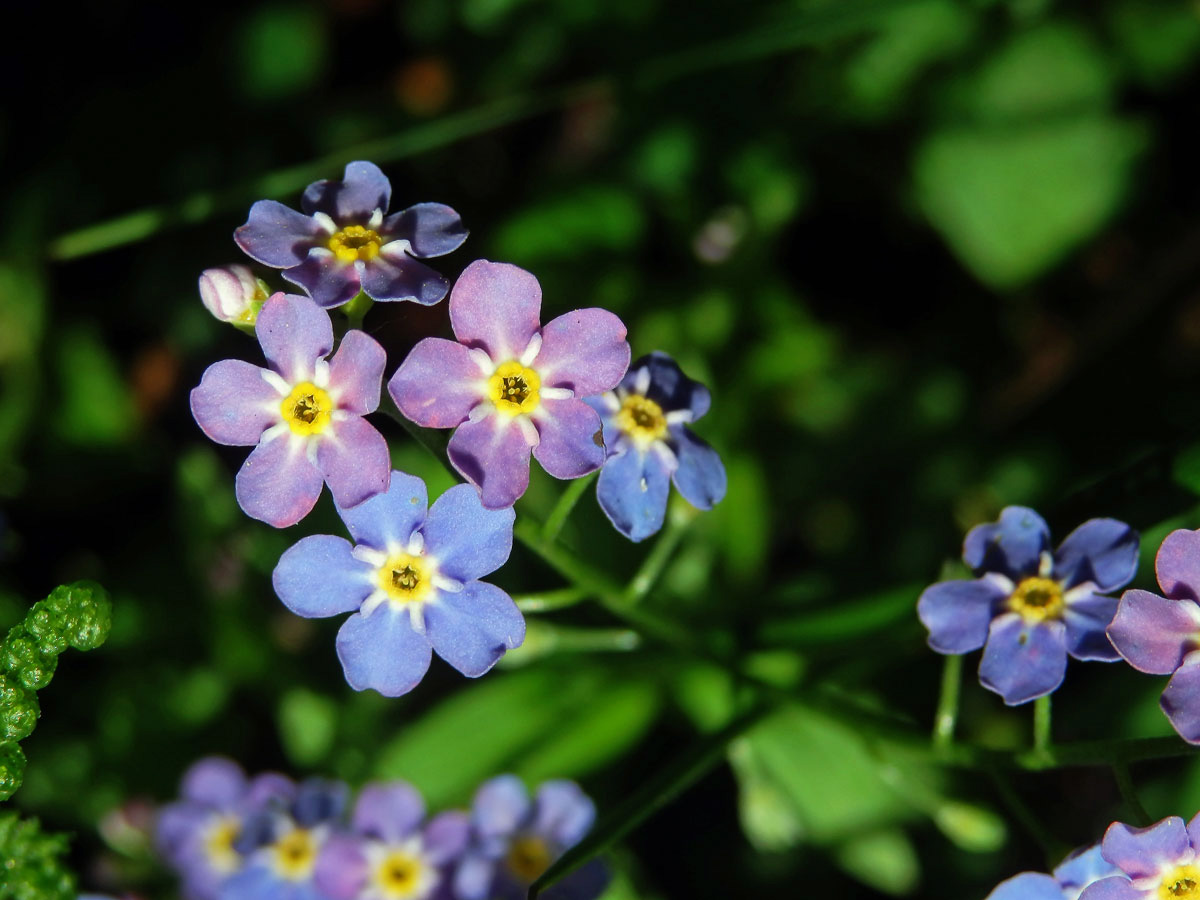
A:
(233, 294)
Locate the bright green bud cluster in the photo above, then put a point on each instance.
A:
(31, 863)
(77, 615)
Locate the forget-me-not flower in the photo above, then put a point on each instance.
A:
(1070, 878)
(1029, 607)
(1161, 862)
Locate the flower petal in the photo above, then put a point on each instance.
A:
(496, 306)
(493, 455)
(1117, 887)
(563, 812)
(1083, 867)
(383, 652)
(1178, 565)
(1027, 886)
(351, 201)
(276, 235)
(467, 540)
(1103, 551)
(389, 811)
(1154, 634)
(1087, 619)
(1022, 662)
(570, 442)
(318, 576)
(1142, 852)
(277, 484)
(394, 275)
(700, 474)
(355, 461)
(214, 781)
(473, 877)
(388, 519)
(669, 387)
(233, 404)
(472, 629)
(438, 384)
(632, 491)
(431, 229)
(341, 871)
(1012, 546)
(327, 280)
(1181, 701)
(294, 333)
(446, 836)
(501, 806)
(356, 373)
(584, 351)
(958, 613)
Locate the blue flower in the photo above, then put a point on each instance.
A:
(411, 580)
(281, 845)
(1073, 875)
(649, 445)
(515, 839)
(1028, 608)
(1160, 861)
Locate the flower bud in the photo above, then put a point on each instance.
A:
(233, 294)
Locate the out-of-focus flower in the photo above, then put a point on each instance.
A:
(303, 415)
(411, 580)
(1159, 635)
(510, 387)
(390, 852)
(233, 294)
(515, 839)
(197, 834)
(649, 445)
(344, 242)
(1028, 608)
(1156, 863)
(1073, 875)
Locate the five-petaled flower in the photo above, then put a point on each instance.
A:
(516, 838)
(1161, 862)
(1161, 635)
(509, 386)
(649, 445)
(1028, 608)
(344, 242)
(305, 414)
(411, 580)
(1073, 875)
(390, 853)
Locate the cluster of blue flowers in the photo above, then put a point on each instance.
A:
(230, 837)
(564, 393)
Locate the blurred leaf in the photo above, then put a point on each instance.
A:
(96, 407)
(973, 828)
(666, 161)
(306, 726)
(1159, 39)
(33, 863)
(743, 519)
(773, 188)
(281, 50)
(595, 218)
(884, 859)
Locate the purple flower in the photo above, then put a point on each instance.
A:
(305, 414)
(649, 445)
(197, 834)
(1072, 876)
(281, 845)
(514, 840)
(389, 853)
(509, 386)
(1156, 862)
(1161, 635)
(1028, 608)
(411, 581)
(344, 242)
(232, 294)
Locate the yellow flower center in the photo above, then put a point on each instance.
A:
(1184, 882)
(514, 388)
(307, 409)
(528, 858)
(1037, 599)
(406, 578)
(295, 854)
(355, 242)
(399, 875)
(642, 419)
(218, 844)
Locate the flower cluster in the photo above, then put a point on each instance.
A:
(511, 388)
(229, 837)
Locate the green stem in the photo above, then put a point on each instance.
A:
(1041, 724)
(656, 560)
(548, 601)
(566, 503)
(947, 708)
(1129, 793)
(356, 310)
(1053, 849)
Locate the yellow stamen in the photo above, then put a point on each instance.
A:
(642, 419)
(528, 858)
(406, 578)
(218, 844)
(307, 409)
(355, 242)
(1037, 599)
(295, 854)
(514, 388)
(400, 875)
(1181, 884)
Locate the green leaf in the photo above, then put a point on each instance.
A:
(884, 859)
(33, 863)
(96, 407)
(1159, 39)
(307, 722)
(281, 50)
(591, 218)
